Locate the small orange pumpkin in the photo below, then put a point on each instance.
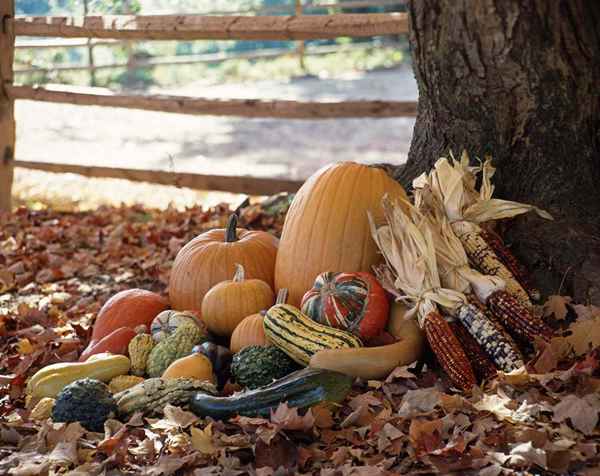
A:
(229, 302)
(249, 332)
(210, 258)
(195, 366)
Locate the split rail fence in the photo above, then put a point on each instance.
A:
(182, 27)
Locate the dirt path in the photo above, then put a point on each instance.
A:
(221, 145)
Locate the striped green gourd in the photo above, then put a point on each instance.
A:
(300, 337)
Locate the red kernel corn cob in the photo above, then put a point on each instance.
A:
(484, 259)
(519, 321)
(483, 367)
(511, 262)
(448, 351)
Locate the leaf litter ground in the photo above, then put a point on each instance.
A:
(57, 269)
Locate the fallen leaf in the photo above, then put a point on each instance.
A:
(24, 347)
(179, 417)
(583, 412)
(556, 306)
(287, 418)
(526, 453)
(425, 436)
(281, 452)
(323, 416)
(202, 440)
(417, 402)
(498, 405)
(585, 335)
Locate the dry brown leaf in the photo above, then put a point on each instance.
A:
(585, 335)
(179, 417)
(323, 416)
(202, 440)
(425, 435)
(583, 412)
(7, 280)
(499, 405)
(417, 402)
(287, 418)
(556, 306)
(526, 453)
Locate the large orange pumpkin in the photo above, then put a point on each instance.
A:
(129, 308)
(327, 229)
(211, 258)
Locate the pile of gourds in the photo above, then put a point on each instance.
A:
(150, 351)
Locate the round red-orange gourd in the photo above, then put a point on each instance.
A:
(129, 308)
(327, 228)
(354, 302)
(210, 258)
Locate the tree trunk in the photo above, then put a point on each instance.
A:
(519, 81)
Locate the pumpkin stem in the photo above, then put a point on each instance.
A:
(282, 295)
(238, 277)
(231, 231)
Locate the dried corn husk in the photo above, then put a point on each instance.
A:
(411, 271)
(453, 184)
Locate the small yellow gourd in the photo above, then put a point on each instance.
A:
(195, 366)
(43, 409)
(227, 303)
(139, 350)
(123, 382)
(50, 380)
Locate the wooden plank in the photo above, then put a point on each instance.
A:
(201, 27)
(233, 107)
(7, 114)
(247, 185)
(58, 43)
(254, 108)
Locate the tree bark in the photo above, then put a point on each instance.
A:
(519, 81)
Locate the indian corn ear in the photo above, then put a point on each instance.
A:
(518, 320)
(448, 351)
(482, 256)
(512, 263)
(491, 340)
(483, 367)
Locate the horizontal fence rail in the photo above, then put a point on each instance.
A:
(218, 107)
(222, 183)
(199, 27)
(209, 58)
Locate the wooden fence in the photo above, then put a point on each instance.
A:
(182, 27)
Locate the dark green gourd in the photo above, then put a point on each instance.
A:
(301, 389)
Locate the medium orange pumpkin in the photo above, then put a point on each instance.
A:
(129, 308)
(227, 303)
(326, 227)
(211, 257)
(248, 332)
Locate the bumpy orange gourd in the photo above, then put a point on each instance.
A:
(227, 303)
(195, 366)
(130, 308)
(326, 227)
(248, 332)
(211, 257)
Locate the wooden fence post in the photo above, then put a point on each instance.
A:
(301, 47)
(7, 115)
(90, 48)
